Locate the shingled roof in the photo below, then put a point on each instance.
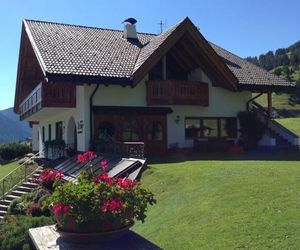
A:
(104, 56)
(249, 75)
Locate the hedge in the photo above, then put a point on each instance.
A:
(11, 151)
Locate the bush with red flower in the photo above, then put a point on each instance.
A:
(101, 203)
(49, 178)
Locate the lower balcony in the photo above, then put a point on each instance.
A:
(48, 95)
(177, 92)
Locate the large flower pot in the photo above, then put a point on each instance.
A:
(93, 237)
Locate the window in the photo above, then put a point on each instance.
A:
(105, 129)
(49, 132)
(131, 129)
(155, 132)
(58, 131)
(43, 134)
(206, 127)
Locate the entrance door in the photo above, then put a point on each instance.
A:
(155, 134)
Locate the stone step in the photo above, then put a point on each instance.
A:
(3, 212)
(11, 197)
(36, 175)
(24, 189)
(29, 184)
(18, 193)
(4, 207)
(5, 202)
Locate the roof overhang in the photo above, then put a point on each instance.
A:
(267, 88)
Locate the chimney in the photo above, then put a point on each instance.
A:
(129, 29)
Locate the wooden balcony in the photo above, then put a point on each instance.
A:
(177, 92)
(46, 95)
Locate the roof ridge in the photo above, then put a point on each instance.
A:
(84, 26)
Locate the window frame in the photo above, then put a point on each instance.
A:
(201, 119)
(59, 127)
(49, 132)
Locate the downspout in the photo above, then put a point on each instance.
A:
(91, 112)
(251, 100)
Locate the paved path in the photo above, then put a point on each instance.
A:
(45, 238)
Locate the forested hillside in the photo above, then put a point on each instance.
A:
(284, 62)
(11, 128)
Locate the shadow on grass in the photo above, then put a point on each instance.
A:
(225, 156)
(130, 241)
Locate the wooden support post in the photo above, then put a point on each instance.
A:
(164, 69)
(270, 104)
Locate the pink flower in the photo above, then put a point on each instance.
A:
(80, 158)
(126, 184)
(61, 208)
(104, 166)
(49, 175)
(113, 206)
(86, 157)
(104, 178)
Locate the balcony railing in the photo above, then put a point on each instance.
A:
(48, 95)
(177, 92)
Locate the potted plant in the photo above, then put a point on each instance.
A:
(98, 207)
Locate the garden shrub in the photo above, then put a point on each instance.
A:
(31, 203)
(11, 151)
(14, 233)
(251, 128)
(17, 206)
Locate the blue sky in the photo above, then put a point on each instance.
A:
(244, 27)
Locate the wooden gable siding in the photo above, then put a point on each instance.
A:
(29, 73)
(198, 50)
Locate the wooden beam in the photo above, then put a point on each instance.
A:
(270, 109)
(186, 47)
(174, 55)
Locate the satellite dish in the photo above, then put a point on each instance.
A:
(130, 20)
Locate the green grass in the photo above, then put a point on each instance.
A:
(5, 169)
(292, 124)
(234, 203)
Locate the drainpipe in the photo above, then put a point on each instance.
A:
(252, 99)
(91, 112)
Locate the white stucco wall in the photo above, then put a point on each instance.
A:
(222, 103)
(35, 137)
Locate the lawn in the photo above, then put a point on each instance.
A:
(236, 202)
(6, 169)
(292, 124)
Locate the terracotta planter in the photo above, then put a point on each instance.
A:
(79, 237)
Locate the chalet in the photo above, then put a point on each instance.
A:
(78, 84)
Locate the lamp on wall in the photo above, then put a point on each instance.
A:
(177, 119)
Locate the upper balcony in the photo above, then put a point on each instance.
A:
(177, 92)
(48, 95)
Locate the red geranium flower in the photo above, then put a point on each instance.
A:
(61, 208)
(104, 178)
(127, 184)
(113, 206)
(49, 175)
(86, 156)
(104, 166)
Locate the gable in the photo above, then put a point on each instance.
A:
(185, 43)
(29, 73)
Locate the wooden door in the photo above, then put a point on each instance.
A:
(155, 134)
